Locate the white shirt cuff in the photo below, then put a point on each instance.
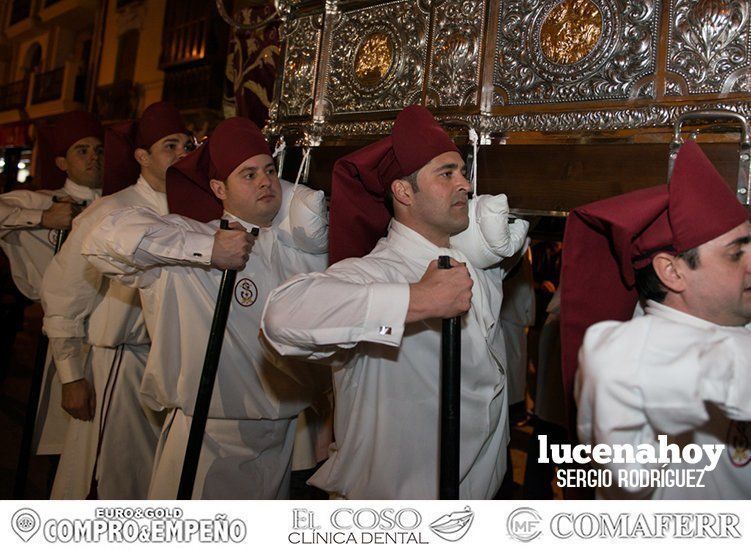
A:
(26, 217)
(387, 310)
(71, 368)
(198, 247)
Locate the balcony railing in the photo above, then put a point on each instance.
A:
(13, 95)
(48, 86)
(117, 101)
(194, 87)
(57, 89)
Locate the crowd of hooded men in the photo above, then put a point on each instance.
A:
(331, 348)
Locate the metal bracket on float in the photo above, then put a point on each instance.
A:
(743, 191)
(280, 152)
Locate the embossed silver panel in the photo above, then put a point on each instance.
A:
(455, 57)
(394, 35)
(301, 59)
(709, 44)
(619, 54)
(576, 121)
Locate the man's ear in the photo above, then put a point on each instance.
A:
(142, 156)
(61, 163)
(402, 192)
(218, 188)
(669, 271)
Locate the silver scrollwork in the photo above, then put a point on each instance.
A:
(298, 82)
(674, 86)
(709, 41)
(396, 27)
(577, 121)
(621, 52)
(457, 43)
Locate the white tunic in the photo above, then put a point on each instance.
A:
(386, 377)
(84, 309)
(253, 384)
(28, 245)
(669, 373)
(29, 248)
(549, 403)
(517, 314)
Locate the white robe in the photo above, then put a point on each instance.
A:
(386, 377)
(669, 373)
(253, 387)
(549, 402)
(84, 309)
(29, 248)
(517, 314)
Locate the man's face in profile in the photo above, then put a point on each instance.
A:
(719, 289)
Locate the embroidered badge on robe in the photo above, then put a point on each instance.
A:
(246, 292)
(738, 444)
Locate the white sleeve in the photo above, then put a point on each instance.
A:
(627, 396)
(717, 371)
(131, 244)
(23, 209)
(69, 290)
(317, 314)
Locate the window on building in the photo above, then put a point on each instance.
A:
(187, 35)
(20, 10)
(127, 47)
(194, 49)
(33, 59)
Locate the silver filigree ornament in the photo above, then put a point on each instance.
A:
(576, 121)
(298, 82)
(405, 24)
(709, 42)
(624, 53)
(457, 44)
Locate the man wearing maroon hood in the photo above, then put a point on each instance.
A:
(29, 225)
(250, 432)
(96, 327)
(680, 374)
(29, 219)
(376, 316)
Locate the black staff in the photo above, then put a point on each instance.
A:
(208, 375)
(35, 392)
(451, 352)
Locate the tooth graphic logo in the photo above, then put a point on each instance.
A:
(452, 527)
(25, 523)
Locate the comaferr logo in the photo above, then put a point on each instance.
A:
(588, 525)
(452, 527)
(526, 524)
(523, 524)
(246, 292)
